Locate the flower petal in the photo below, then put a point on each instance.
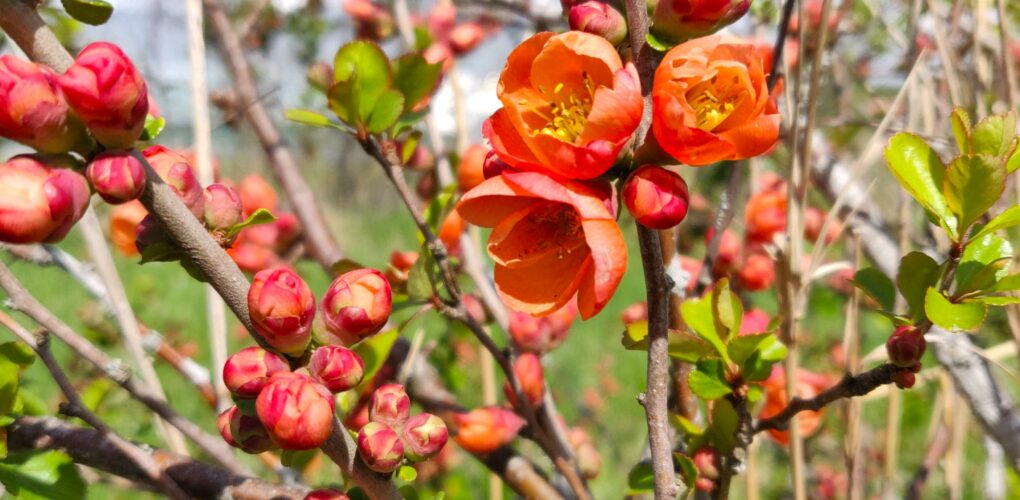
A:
(491, 201)
(586, 199)
(544, 286)
(609, 263)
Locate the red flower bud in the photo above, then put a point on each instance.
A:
(222, 207)
(706, 459)
(484, 430)
(390, 405)
(243, 431)
(338, 368)
(765, 215)
(39, 202)
(598, 18)
(905, 346)
(758, 272)
(682, 20)
(656, 197)
(297, 411)
(118, 176)
(450, 230)
(282, 307)
(177, 173)
(326, 494)
(424, 436)
(108, 93)
(470, 169)
(380, 447)
(357, 305)
(529, 374)
(248, 371)
(904, 379)
(543, 334)
(33, 109)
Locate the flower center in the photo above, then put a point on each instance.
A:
(712, 106)
(560, 227)
(567, 113)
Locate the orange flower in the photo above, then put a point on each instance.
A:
(809, 385)
(710, 102)
(551, 240)
(124, 220)
(569, 106)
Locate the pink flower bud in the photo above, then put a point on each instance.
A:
(222, 207)
(539, 335)
(390, 405)
(338, 368)
(106, 91)
(424, 436)
(174, 169)
(326, 494)
(758, 273)
(598, 18)
(282, 307)
(149, 233)
(682, 20)
(466, 36)
(754, 321)
(297, 411)
(39, 202)
(706, 459)
(357, 305)
(905, 346)
(33, 109)
(484, 430)
(248, 371)
(656, 197)
(529, 374)
(117, 176)
(380, 447)
(243, 431)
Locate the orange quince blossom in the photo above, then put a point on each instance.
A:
(710, 102)
(569, 106)
(551, 239)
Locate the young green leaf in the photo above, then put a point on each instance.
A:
(415, 78)
(698, 315)
(996, 300)
(94, 12)
(953, 316)
(635, 336)
(686, 347)
(306, 117)
(1008, 218)
(421, 277)
(688, 471)
(724, 425)
(973, 183)
(374, 350)
(39, 475)
(920, 171)
(361, 75)
(743, 346)
(728, 310)
(990, 250)
(708, 381)
(260, 216)
(877, 285)
(994, 135)
(1010, 283)
(152, 128)
(960, 121)
(387, 109)
(686, 425)
(916, 274)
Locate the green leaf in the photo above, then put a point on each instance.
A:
(344, 265)
(260, 216)
(361, 75)
(635, 336)
(1009, 283)
(160, 252)
(995, 300)
(640, 479)
(973, 184)
(94, 12)
(374, 350)
(152, 128)
(415, 78)
(961, 129)
(9, 380)
(994, 135)
(953, 316)
(920, 171)
(743, 346)
(45, 475)
(724, 425)
(754, 393)
(729, 311)
(699, 317)
(408, 147)
(877, 285)
(758, 366)
(916, 274)
(686, 425)
(688, 471)
(708, 381)
(408, 492)
(407, 473)
(657, 44)
(17, 352)
(421, 277)
(387, 109)
(990, 250)
(297, 459)
(1008, 218)
(688, 348)
(306, 117)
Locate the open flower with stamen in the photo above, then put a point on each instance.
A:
(569, 106)
(551, 239)
(710, 102)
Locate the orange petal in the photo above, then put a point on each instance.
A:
(754, 137)
(543, 286)
(534, 232)
(491, 201)
(609, 262)
(616, 111)
(517, 71)
(505, 137)
(586, 199)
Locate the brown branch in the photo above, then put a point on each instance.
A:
(40, 344)
(849, 386)
(320, 241)
(94, 449)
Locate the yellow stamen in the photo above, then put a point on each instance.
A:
(567, 116)
(711, 105)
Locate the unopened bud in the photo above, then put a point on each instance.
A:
(484, 430)
(326, 494)
(905, 346)
(424, 436)
(470, 169)
(282, 308)
(338, 368)
(297, 411)
(681, 20)
(320, 76)
(390, 405)
(528, 368)
(656, 197)
(466, 36)
(598, 18)
(39, 200)
(357, 305)
(118, 176)
(248, 371)
(904, 379)
(758, 273)
(222, 208)
(243, 431)
(543, 334)
(380, 447)
(33, 109)
(174, 169)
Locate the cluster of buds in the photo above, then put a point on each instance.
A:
(708, 461)
(451, 38)
(905, 348)
(280, 408)
(392, 434)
